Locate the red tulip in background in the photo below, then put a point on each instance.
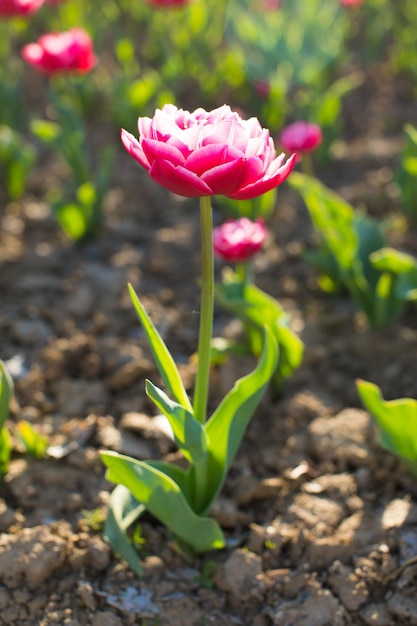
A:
(351, 3)
(204, 153)
(238, 240)
(301, 137)
(12, 8)
(169, 3)
(71, 51)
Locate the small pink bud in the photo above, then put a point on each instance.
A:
(238, 240)
(11, 8)
(71, 51)
(301, 137)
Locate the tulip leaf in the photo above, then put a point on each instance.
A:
(34, 442)
(123, 510)
(163, 498)
(396, 419)
(257, 309)
(6, 390)
(228, 423)
(189, 433)
(164, 361)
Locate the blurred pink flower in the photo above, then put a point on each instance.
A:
(70, 51)
(12, 8)
(301, 137)
(271, 5)
(169, 3)
(351, 3)
(204, 153)
(238, 240)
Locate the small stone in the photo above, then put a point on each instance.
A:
(239, 573)
(376, 615)
(395, 513)
(106, 618)
(99, 554)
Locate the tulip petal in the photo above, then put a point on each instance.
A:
(159, 150)
(179, 180)
(206, 158)
(226, 178)
(32, 53)
(265, 184)
(134, 148)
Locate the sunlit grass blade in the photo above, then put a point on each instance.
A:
(164, 361)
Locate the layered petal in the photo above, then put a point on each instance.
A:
(207, 152)
(179, 180)
(261, 186)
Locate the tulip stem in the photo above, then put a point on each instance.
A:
(206, 312)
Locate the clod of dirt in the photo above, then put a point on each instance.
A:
(238, 574)
(30, 557)
(343, 439)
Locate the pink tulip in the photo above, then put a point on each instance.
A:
(271, 5)
(238, 240)
(169, 3)
(71, 51)
(11, 8)
(204, 153)
(351, 3)
(301, 137)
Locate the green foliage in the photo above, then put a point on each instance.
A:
(17, 157)
(34, 443)
(397, 422)
(181, 498)
(256, 309)
(406, 173)
(348, 243)
(6, 391)
(78, 207)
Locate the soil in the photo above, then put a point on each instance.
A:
(321, 522)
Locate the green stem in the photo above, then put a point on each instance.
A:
(307, 165)
(206, 313)
(244, 271)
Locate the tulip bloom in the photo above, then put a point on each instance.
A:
(238, 240)
(351, 3)
(71, 51)
(11, 8)
(301, 137)
(204, 153)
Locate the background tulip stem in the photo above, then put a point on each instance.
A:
(206, 312)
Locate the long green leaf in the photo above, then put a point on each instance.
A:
(164, 499)
(123, 510)
(189, 433)
(397, 420)
(164, 361)
(6, 391)
(332, 216)
(227, 425)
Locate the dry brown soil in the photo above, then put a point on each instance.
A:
(321, 523)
